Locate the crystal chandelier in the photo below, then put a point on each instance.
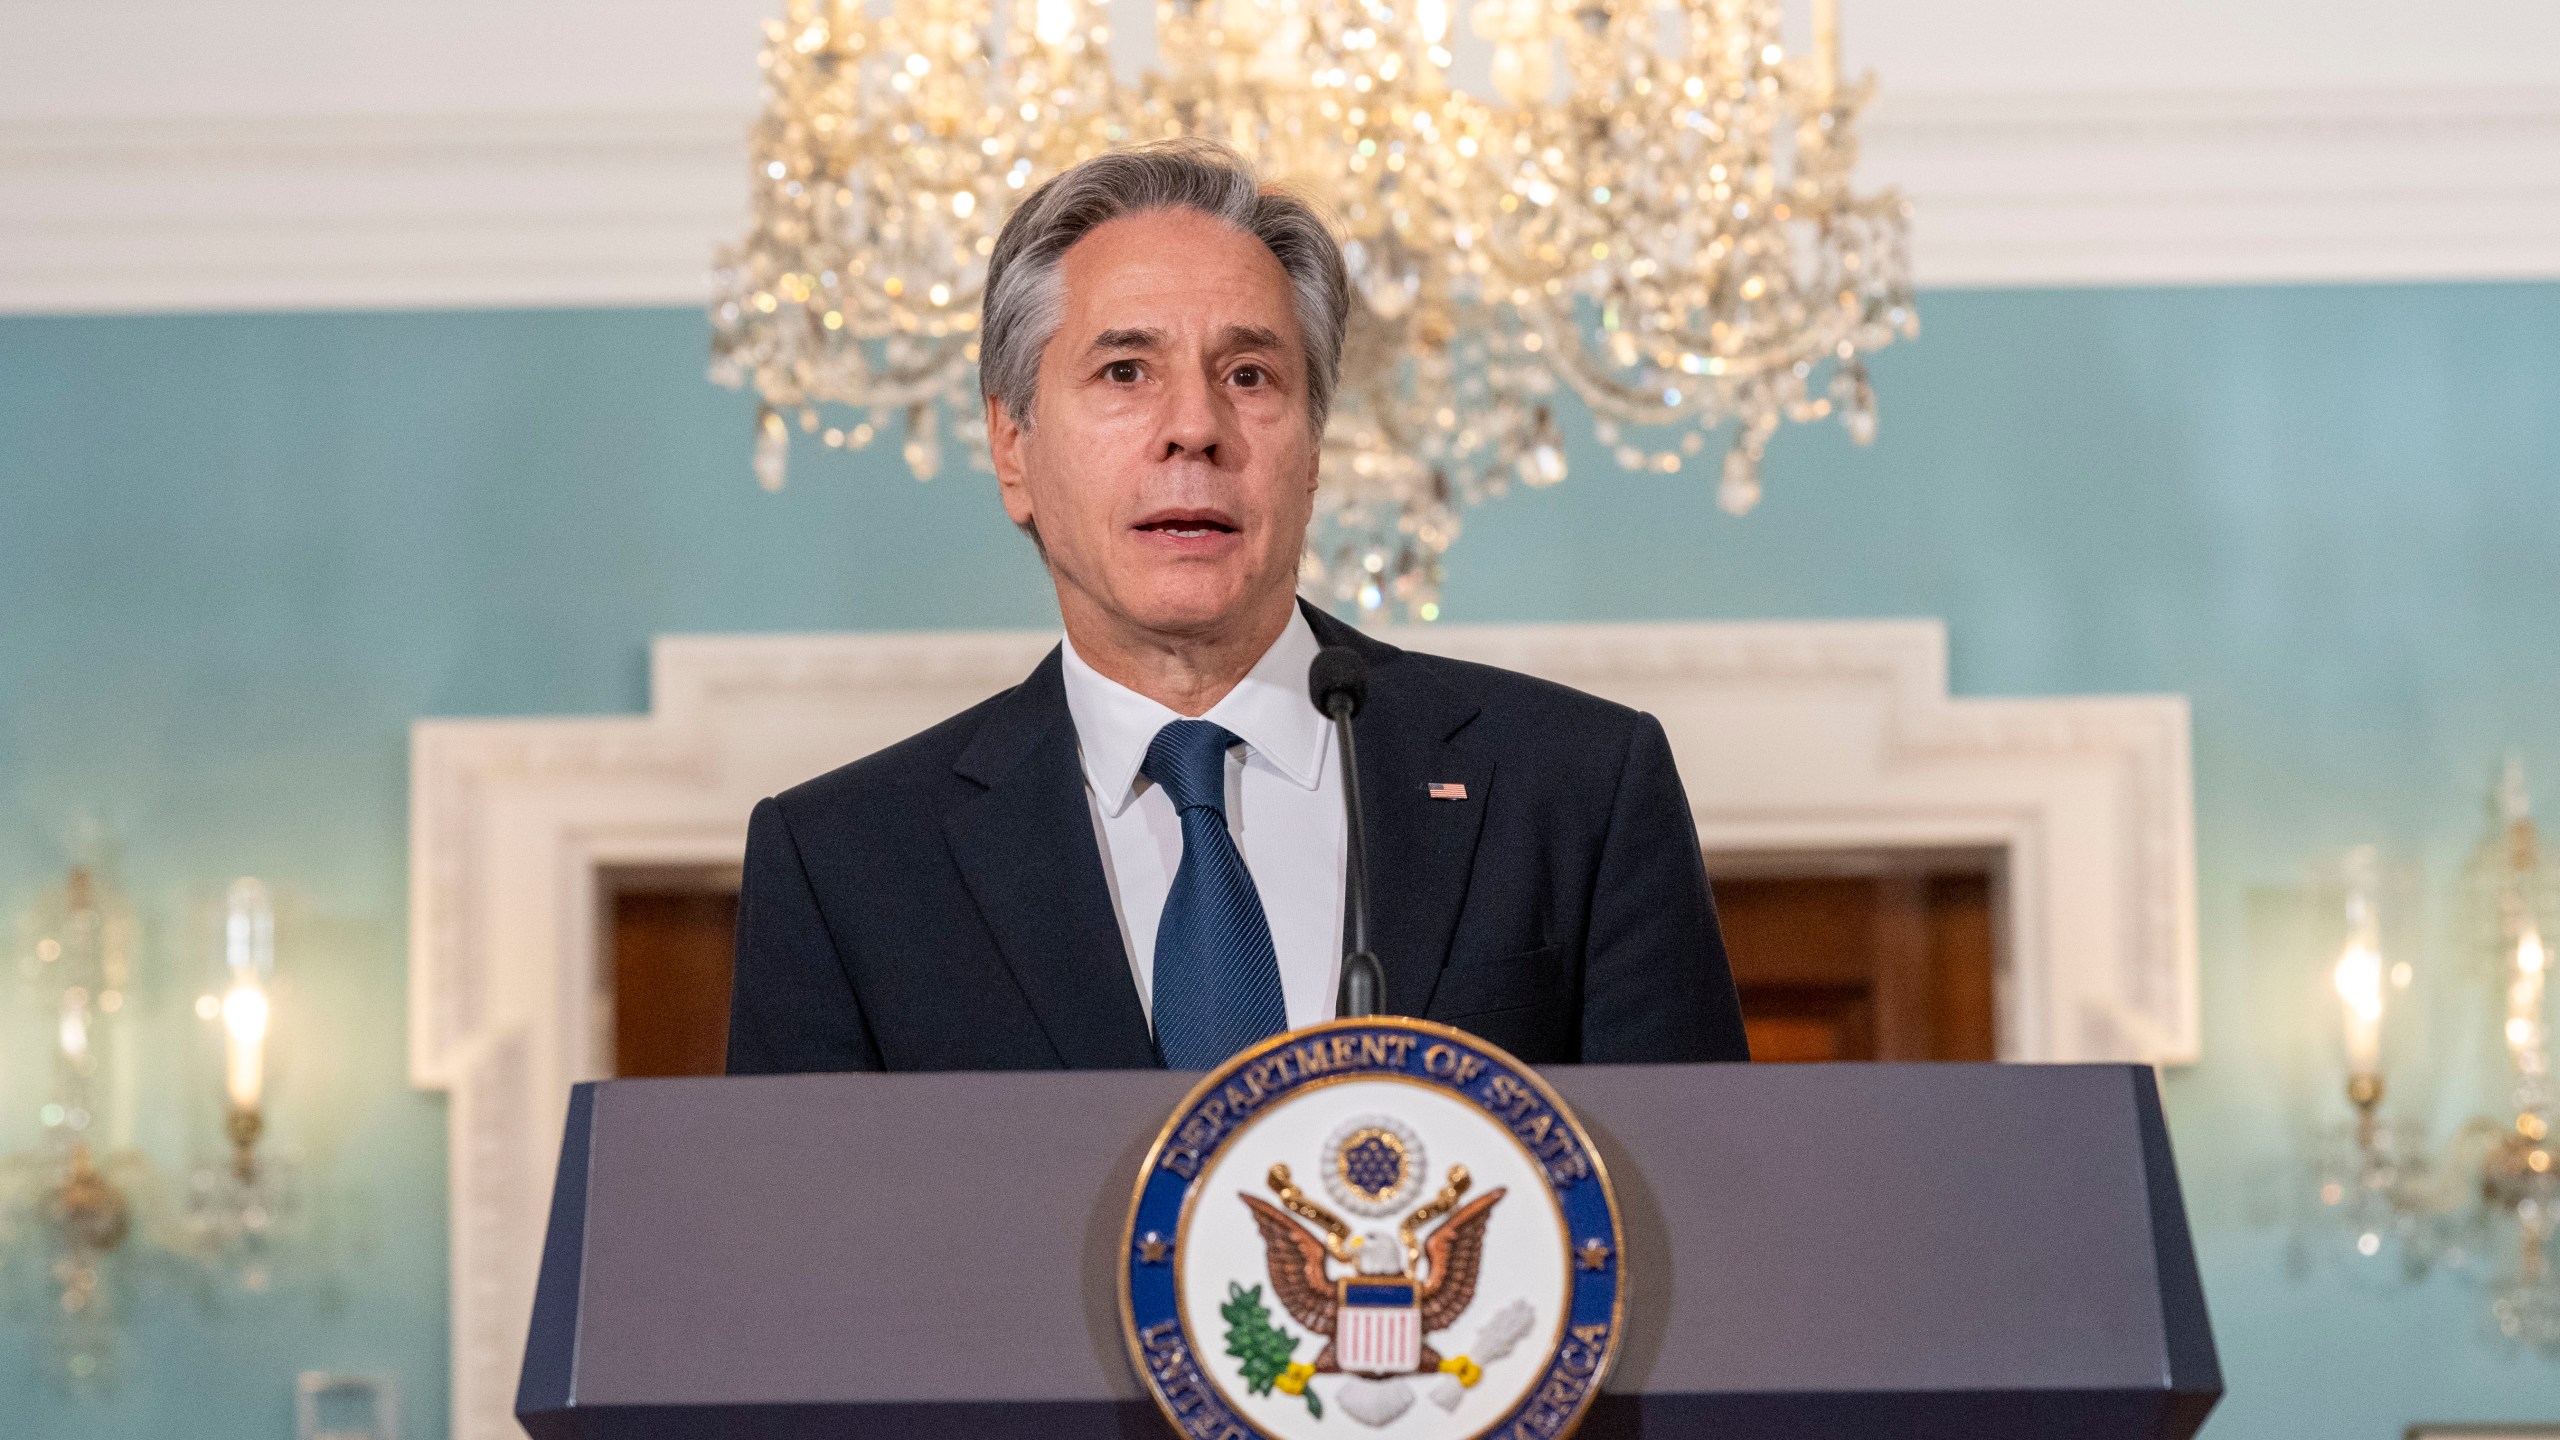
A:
(1653, 207)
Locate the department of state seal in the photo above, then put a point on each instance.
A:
(1377, 1225)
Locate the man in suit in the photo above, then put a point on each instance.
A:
(1135, 857)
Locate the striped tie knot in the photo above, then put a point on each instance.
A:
(1189, 759)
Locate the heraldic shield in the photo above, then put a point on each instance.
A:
(1374, 1226)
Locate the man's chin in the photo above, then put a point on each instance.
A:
(1196, 610)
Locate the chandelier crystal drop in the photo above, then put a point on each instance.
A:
(1651, 209)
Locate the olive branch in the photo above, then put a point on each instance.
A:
(1263, 1347)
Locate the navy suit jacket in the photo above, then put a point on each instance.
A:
(941, 905)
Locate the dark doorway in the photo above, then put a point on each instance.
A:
(1895, 964)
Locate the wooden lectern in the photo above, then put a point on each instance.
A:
(1869, 1251)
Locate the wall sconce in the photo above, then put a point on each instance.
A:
(77, 1206)
(235, 1210)
(2491, 1206)
(2372, 1185)
(71, 1194)
(2517, 1161)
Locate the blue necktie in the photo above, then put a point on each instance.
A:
(1217, 977)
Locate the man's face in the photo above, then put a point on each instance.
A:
(1168, 466)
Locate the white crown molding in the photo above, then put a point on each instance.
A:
(2214, 187)
(1791, 737)
(415, 211)
(429, 210)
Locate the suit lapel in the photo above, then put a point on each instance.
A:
(1421, 851)
(1027, 851)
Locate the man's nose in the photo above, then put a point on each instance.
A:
(1195, 419)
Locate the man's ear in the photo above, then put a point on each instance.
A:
(1005, 439)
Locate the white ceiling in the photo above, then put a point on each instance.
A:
(282, 153)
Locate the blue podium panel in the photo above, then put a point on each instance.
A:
(1971, 1251)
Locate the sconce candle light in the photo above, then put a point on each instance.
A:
(249, 946)
(235, 1212)
(2358, 978)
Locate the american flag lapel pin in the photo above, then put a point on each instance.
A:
(1447, 790)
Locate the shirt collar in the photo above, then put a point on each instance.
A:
(1268, 710)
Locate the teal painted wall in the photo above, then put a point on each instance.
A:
(239, 555)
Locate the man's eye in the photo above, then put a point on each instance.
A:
(1124, 372)
(1248, 375)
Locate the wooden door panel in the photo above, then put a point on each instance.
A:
(672, 950)
(1796, 1024)
(1960, 949)
(1862, 967)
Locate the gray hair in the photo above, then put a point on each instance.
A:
(1026, 298)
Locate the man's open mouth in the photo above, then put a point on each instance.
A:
(1189, 524)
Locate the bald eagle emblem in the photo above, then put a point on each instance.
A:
(1373, 1296)
(1378, 1290)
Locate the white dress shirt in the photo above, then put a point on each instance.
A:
(1284, 807)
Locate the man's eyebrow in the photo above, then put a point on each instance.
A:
(1128, 339)
(1251, 337)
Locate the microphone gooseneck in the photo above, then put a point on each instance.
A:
(1338, 683)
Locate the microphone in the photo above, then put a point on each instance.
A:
(1338, 682)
